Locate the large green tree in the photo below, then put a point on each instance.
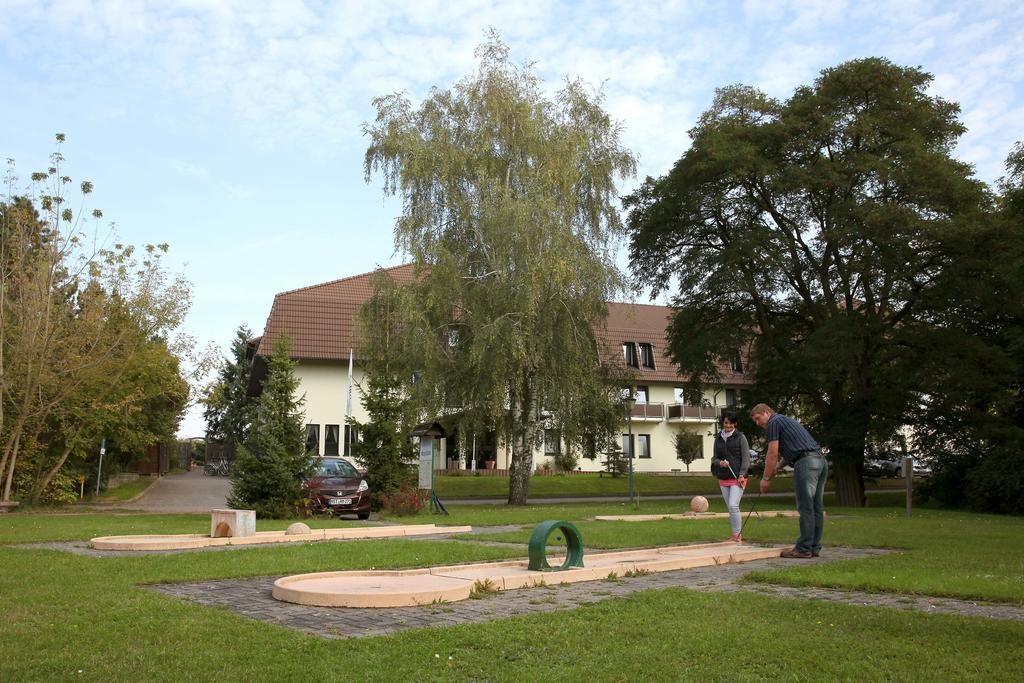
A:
(79, 325)
(976, 424)
(509, 213)
(825, 232)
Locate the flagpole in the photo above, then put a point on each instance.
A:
(348, 406)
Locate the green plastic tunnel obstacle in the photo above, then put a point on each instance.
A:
(539, 546)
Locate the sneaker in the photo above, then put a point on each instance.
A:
(736, 538)
(794, 554)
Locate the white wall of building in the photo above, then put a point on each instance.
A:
(324, 386)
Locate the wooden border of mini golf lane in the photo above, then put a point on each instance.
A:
(409, 588)
(192, 541)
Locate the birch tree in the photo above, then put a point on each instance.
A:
(510, 215)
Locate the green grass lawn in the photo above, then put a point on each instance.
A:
(936, 552)
(470, 485)
(63, 614)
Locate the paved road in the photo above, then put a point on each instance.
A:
(186, 492)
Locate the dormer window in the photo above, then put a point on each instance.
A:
(647, 356)
(629, 353)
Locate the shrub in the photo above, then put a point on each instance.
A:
(403, 501)
(566, 461)
(997, 483)
(992, 481)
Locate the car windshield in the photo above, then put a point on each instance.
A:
(335, 468)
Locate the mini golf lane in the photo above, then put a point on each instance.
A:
(188, 541)
(693, 515)
(424, 586)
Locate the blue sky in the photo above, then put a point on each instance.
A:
(231, 130)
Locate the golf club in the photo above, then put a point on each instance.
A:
(752, 508)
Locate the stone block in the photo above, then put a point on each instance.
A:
(232, 523)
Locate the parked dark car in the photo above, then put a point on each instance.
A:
(336, 487)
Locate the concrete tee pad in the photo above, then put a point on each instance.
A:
(693, 515)
(189, 541)
(425, 586)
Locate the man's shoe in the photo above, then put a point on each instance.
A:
(815, 553)
(794, 554)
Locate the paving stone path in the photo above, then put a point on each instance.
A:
(252, 598)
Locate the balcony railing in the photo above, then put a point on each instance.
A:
(649, 411)
(681, 411)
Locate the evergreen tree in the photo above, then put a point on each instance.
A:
(385, 450)
(229, 407)
(270, 466)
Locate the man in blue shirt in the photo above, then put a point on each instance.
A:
(794, 445)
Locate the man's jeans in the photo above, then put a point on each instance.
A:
(810, 473)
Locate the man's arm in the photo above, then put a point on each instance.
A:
(771, 460)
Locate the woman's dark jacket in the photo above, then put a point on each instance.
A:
(734, 449)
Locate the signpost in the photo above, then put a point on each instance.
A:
(99, 470)
(427, 434)
(908, 473)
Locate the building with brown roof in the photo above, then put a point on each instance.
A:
(321, 321)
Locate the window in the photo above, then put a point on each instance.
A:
(313, 439)
(644, 444)
(737, 362)
(643, 395)
(331, 439)
(552, 442)
(589, 447)
(629, 353)
(688, 396)
(730, 397)
(647, 356)
(627, 445)
(351, 436)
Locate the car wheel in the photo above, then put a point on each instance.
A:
(363, 515)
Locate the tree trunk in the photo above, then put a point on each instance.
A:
(40, 486)
(520, 470)
(849, 483)
(525, 425)
(847, 426)
(10, 473)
